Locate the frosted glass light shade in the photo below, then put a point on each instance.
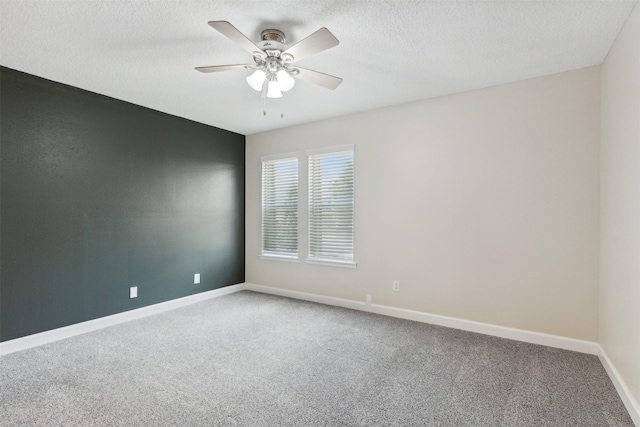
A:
(274, 90)
(256, 80)
(285, 81)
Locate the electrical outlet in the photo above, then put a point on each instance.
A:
(395, 286)
(368, 300)
(196, 278)
(133, 292)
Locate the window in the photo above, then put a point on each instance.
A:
(331, 206)
(280, 207)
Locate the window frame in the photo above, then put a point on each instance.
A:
(273, 255)
(351, 263)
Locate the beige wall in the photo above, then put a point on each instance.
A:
(483, 204)
(620, 205)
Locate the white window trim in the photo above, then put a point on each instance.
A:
(266, 255)
(328, 261)
(335, 149)
(331, 262)
(281, 156)
(273, 257)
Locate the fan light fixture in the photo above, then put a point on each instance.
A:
(273, 90)
(285, 81)
(276, 83)
(273, 72)
(256, 80)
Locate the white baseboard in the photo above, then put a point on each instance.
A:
(632, 405)
(523, 335)
(41, 338)
(321, 299)
(451, 322)
(556, 341)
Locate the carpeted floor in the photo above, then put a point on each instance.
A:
(249, 359)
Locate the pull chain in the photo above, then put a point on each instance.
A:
(264, 98)
(264, 101)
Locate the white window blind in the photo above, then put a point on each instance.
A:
(331, 206)
(280, 207)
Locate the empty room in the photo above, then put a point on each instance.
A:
(320, 213)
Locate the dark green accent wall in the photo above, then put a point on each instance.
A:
(98, 195)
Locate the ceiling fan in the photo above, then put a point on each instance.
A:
(273, 59)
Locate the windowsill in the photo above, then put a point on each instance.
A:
(331, 262)
(280, 258)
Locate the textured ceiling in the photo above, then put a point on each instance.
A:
(390, 52)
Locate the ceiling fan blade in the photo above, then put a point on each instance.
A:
(315, 43)
(217, 68)
(235, 35)
(316, 77)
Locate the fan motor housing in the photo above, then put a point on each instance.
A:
(273, 40)
(273, 34)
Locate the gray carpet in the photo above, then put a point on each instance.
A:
(249, 359)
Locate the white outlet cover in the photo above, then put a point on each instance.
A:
(133, 292)
(196, 278)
